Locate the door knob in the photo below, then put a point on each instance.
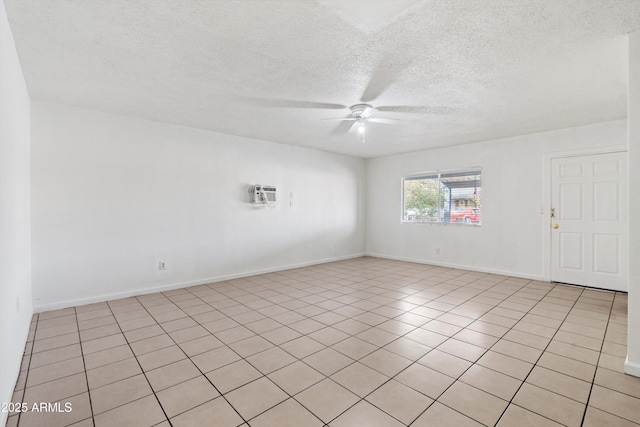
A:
(556, 226)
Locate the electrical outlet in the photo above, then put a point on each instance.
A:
(162, 265)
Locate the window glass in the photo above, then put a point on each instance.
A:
(451, 196)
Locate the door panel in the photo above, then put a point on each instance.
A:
(589, 233)
(606, 252)
(571, 251)
(570, 202)
(605, 201)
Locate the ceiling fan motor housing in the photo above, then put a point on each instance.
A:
(358, 110)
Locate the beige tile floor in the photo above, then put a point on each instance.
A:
(363, 342)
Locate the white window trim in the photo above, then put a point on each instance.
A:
(438, 173)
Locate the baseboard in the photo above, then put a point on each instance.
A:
(631, 368)
(171, 286)
(460, 266)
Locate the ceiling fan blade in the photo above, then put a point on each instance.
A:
(291, 103)
(346, 119)
(385, 121)
(367, 112)
(353, 128)
(343, 127)
(416, 109)
(383, 76)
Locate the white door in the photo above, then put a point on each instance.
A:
(589, 221)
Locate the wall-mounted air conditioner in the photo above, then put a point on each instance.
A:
(264, 194)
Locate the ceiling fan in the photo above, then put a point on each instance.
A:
(360, 115)
(384, 75)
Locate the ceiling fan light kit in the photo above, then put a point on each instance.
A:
(360, 124)
(358, 112)
(361, 114)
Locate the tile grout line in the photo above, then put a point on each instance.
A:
(24, 390)
(189, 358)
(524, 380)
(84, 365)
(472, 363)
(583, 289)
(141, 369)
(310, 281)
(179, 308)
(245, 359)
(174, 303)
(418, 327)
(416, 361)
(511, 328)
(595, 371)
(299, 359)
(476, 319)
(360, 399)
(62, 377)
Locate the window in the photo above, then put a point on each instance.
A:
(443, 196)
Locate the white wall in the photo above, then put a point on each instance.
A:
(632, 365)
(15, 277)
(112, 196)
(510, 240)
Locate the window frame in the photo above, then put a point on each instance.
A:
(477, 170)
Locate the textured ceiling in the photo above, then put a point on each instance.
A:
(472, 69)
